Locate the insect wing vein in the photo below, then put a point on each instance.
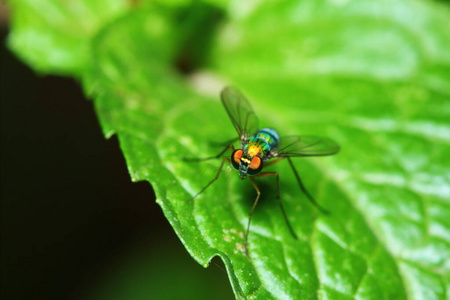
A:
(240, 112)
(306, 146)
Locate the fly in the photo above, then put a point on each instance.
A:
(262, 148)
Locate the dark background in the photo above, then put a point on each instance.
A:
(69, 210)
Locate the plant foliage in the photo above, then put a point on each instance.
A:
(373, 75)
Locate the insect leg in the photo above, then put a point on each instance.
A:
(264, 174)
(212, 181)
(258, 193)
(302, 187)
(274, 161)
(230, 146)
(226, 143)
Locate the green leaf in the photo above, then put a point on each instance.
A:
(370, 74)
(54, 36)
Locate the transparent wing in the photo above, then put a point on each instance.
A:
(240, 112)
(306, 146)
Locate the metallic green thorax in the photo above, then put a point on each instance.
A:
(261, 143)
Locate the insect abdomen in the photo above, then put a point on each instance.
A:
(270, 136)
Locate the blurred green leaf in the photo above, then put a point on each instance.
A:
(373, 75)
(54, 36)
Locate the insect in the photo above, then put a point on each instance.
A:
(261, 148)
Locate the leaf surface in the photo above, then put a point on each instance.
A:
(372, 75)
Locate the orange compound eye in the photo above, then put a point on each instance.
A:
(256, 166)
(236, 158)
(256, 162)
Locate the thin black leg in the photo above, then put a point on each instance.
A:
(211, 182)
(302, 187)
(189, 159)
(264, 174)
(222, 144)
(272, 162)
(258, 193)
